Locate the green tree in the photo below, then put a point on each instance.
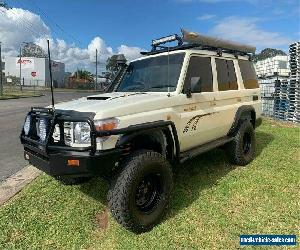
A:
(112, 66)
(84, 74)
(33, 50)
(267, 53)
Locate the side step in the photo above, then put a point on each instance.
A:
(186, 155)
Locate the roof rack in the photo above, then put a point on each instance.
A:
(194, 40)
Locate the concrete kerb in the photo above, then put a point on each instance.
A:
(15, 183)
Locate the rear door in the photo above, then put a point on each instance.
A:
(228, 97)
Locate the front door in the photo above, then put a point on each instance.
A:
(198, 114)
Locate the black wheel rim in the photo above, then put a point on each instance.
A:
(147, 193)
(247, 141)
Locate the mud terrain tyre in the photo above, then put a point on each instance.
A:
(241, 150)
(139, 195)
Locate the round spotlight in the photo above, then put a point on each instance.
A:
(26, 126)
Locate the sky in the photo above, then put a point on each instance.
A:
(77, 28)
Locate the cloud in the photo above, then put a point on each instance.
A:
(246, 30)
(130, 53)
(19, 25)
(206, 17)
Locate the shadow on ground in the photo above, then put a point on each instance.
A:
(190, 178)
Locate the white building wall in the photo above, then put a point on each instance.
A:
(35, 71)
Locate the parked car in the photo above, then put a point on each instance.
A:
(165, 108)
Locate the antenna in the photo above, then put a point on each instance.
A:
(50, 71)
(168, 84)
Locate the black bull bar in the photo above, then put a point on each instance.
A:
(43, 153)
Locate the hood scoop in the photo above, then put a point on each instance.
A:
(99, 98)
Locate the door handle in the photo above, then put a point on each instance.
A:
(213, 103)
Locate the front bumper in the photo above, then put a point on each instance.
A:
(53, 157)
(56, 164)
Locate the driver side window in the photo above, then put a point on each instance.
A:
(199, 75)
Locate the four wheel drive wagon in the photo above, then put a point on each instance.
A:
(164, 108)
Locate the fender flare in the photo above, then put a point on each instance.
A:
(245, 112)
(165, 136)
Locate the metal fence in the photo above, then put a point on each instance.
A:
(12, 87)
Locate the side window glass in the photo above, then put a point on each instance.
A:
(199, 74)
(226, 75)
(231, 75)
(248, 74)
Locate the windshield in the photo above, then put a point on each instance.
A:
(155, 74)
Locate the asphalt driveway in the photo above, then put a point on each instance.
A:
(12, 113)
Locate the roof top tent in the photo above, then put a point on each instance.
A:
(196, 40)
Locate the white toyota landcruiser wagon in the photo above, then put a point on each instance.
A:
(162, 109)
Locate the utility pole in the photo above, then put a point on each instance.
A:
(20, 61)
(96, 81)
(1, 82)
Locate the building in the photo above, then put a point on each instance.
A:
(35, 71)
(277, 65)
(280, 90)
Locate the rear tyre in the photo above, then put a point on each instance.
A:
(140, 193)
(241, 150)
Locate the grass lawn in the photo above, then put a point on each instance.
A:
(19, 94)
(213, 203)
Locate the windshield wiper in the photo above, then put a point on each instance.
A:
(162, 86)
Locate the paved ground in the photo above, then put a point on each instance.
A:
(12, 113)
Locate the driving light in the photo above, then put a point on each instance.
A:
(26, 126)
(42, 129)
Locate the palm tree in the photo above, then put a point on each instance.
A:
(84, 74)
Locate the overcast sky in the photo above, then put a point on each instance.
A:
(77, 28)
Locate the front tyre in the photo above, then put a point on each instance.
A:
(242, 149)
(140, 194)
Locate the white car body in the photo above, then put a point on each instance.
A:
(217, 109)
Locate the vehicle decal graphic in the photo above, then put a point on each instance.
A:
(194, 122)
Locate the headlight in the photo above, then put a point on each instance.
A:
(82, 132)
(26, 126)
(56, 133)
(42, 129)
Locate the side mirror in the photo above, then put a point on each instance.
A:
(189, 93)
(187, 89)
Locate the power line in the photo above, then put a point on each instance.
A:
(22, 23)
(51, 20)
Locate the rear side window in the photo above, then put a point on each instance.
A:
(226, 75)
(248, 74)
(199, 74)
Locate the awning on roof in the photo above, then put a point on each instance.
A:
(195, 38)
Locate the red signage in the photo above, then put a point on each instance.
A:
(33, 74)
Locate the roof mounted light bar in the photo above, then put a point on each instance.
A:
(172, 38)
